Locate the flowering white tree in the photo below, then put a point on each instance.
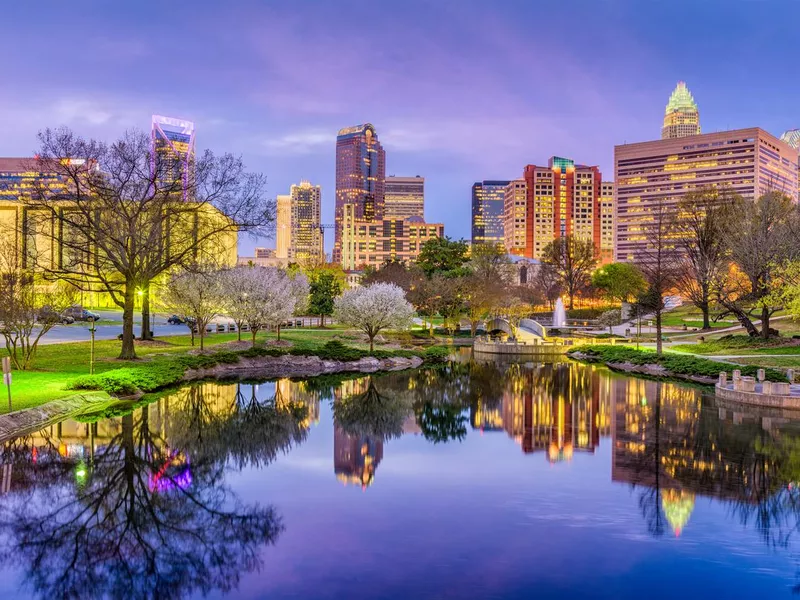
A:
(197, 295)
(374, 308)
(262, 297)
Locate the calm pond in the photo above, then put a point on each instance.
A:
(481, 480)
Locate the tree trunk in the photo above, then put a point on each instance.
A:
(128, 352)
(473, 328)
(201, 331)
(658, 331)
(238, 331)
(742, 317)
(145, 333)
(322, 321)
(765, 322)
(253, 333)
(371, 342)
(279, 332)
(706, 320)
(571, 301)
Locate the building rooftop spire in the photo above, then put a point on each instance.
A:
(681, 117)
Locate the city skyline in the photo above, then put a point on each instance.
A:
(431, 116)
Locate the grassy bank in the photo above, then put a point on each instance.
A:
(741, 344)
(58, 366)
(674, 364)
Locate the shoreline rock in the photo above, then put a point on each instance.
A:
(271, 367)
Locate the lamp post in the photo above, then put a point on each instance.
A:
(91, 347)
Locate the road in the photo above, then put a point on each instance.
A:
(79, 331)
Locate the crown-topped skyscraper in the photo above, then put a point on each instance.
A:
(681, 118)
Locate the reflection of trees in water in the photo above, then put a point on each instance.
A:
(153, 517)
(372, 413)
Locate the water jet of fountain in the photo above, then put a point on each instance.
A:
(559, 315)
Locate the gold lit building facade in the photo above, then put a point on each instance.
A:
(373, 243)
(681, 117)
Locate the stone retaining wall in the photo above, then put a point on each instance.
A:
(520, 349)
(757, 398)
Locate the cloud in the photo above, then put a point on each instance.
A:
(307, 141)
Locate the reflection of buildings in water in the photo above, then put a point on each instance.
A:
(74, 443)
(677, 506)
(355, 458)
(559, 408)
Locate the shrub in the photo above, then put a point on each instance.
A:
(436, 355)
(674, 363)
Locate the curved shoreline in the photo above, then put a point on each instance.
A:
(29, 420)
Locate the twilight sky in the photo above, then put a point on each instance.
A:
(458, 90)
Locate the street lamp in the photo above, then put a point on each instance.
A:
(91, 350)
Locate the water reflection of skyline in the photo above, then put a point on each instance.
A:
(666, 442)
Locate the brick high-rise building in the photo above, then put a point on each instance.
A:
(360, 177)
(748, 162)
(561, 199)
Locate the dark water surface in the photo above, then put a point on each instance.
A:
(484, 480)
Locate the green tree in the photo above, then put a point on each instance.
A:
(443, 255)
(619, 281)
(572, 260)
(324, 287)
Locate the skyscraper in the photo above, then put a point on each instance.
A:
(748, 162)
(514, 217)
(562, 199)
(283, 234)
(305, 245)
(360, 177)
(173, 153)
(681, 117)
(488, 205)
(405, 197)
(792, 137)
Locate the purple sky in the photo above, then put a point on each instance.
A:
(458, 90)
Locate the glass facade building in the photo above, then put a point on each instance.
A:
(488, 210)
(360, 177)
(173, 153)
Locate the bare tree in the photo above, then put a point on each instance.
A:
(572, 261)
(658, 260)
(701, 231)
(29, 305)
(120, 216)
(761, 236)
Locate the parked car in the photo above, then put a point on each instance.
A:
(176, 320)
(79, 313)
(48, 314)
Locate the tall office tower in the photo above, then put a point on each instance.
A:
(681, 117)
(404, 197)
(488, 205)
(749, 162)
(792, 137)
(514, 217)
(606, 221)
(305, 242)
(173, 153)
(360, 177)
(283, 235)
(562, 199)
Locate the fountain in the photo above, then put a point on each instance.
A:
(559, 315)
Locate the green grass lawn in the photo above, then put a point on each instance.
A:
(56, 365)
